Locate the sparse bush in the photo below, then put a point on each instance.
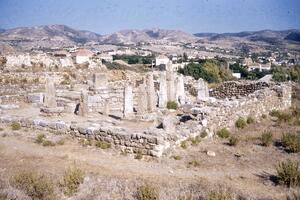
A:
(233, 140)
(103, 144)
(274, 113)
(223, 133)
(47, 143)
(194, 163)
(147, 192)
(40, 138)
(218, 195)
(172, 105)
(294, 197)
(203, 134)
(266, 138)
(138, 155)
(184, 144)
(72, 178)
(291, 141)
(177, 157)
(195, 141)
(15, 126)
(240, 123)
(250, 120)
(60, 142)
(85, 142)
(264, 116)
(35, 185)
(288, 173)
(281, 116)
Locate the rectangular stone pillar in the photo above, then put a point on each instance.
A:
(202, 89)
(50, 99)
(83, 104)
(171, 86)
(142, 100)
(180, 92)
(106, 108)
(150, 93)
(128, 102)
(163, 97)
(99, 81)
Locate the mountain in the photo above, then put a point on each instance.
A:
(47, 36)
(2, 30)
(293, 36)
(148, 35)
(267, 36)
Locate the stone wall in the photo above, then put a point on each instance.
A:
(224, 113)
(119, 137)
(236, 89)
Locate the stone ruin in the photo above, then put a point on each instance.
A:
(132, 115)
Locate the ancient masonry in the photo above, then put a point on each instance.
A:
(132, 116)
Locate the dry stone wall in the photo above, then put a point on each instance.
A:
(236, 89)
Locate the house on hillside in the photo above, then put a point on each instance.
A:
(161, 60)
(83, 55)
(259, 66)
(106, 57)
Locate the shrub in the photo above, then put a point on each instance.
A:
(15, 126)
(35, 185)
(264, 116)
(194, 163)
(233, 140)
(288, 173)
(274, 113)
(147, 192)
(266, 138)
(240, 123)
(284, 117)
(60, 142)
(47, 143)
(294, 197)
(72, 178)
(223, 133)
(218, 195)
(40, 138)
(184, 144)
(203, 134)
(103, 144)
(195, 141)
(291, 142)
(138, 155)
(172, 105)
(85, 142)
(250, 120)
(177, 157)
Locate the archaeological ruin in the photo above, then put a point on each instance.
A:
(130, 111)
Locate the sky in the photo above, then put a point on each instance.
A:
(193, 16)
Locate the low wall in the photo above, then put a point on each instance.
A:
(120, 138)
(225, 113)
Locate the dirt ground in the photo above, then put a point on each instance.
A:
(246, 169)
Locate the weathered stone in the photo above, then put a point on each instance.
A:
(151, 103)
(180, 92)
(50, 99)
(163, 96)
(128, 102)
(83, 105)
(142, 100)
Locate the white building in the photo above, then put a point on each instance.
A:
(106, 57)
(236, 75)
(161, 60)
(259, 66)
(83, 55)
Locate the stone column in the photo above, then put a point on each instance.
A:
(171, 86)
(163, 97)
(83, 105)
(128, 102)
(50, 99)
(106, 109)
(202, 88)
(150, 93)
(99, 80)
(142, 100)
(180, 93)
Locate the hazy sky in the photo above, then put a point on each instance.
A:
(106, 16)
